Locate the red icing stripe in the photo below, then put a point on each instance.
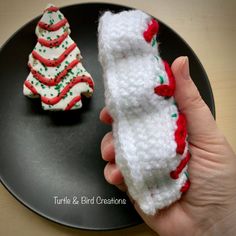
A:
(185, 187)
(31, 87)
(166, 90)
(52, 8)
(181, 133)
(55, 62)
(57, 79)
(79, 79)
(152, 29)
(72, 103)
(175, 173)
(52, 27)
(54, 42)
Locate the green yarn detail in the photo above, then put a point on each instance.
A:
(154, 41)
(187, 174)
(161, 79)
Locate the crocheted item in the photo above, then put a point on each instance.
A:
(56, 73)
(149, 132)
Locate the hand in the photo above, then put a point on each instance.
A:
(209, 206)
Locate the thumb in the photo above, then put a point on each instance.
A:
(201, 123)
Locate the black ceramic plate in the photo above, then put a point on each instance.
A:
(44, 155)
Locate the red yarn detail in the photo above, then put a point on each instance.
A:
(181, 133)
(175, 173)
(185, 187)
(166, 90)
(152, 29)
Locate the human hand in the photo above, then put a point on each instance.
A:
(209, 206)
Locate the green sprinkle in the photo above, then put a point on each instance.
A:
(44, 50)
(40, 50)
(48, 38)
(60, 16)
(71, 93)
(51, 94)
(156, 58)
(37, 83)
(174, 115)
(161, 79)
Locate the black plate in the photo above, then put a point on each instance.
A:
(47, 154)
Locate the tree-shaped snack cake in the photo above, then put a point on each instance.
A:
(56, 73)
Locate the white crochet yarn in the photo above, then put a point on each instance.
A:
(143, 126)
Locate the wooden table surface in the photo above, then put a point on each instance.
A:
(209, 27)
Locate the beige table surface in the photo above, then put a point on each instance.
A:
(208, 26)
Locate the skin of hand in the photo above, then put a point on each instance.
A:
(209, 206)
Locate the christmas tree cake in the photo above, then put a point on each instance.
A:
(56, 73)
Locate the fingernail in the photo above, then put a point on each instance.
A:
(185, 69)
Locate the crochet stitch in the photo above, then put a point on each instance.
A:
(149, 132)
(56, 73)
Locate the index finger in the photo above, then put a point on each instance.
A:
(105, 116)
